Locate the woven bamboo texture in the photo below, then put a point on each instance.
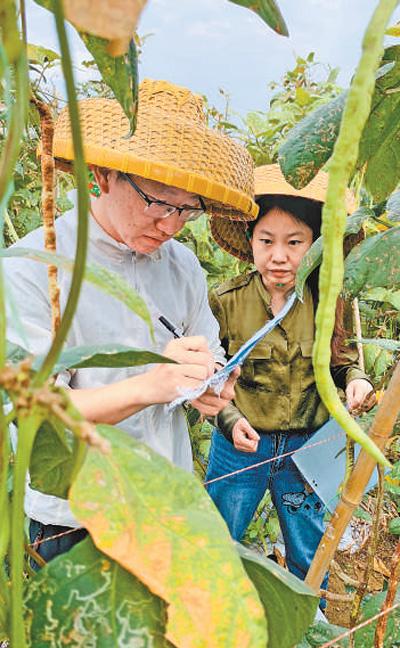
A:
(172, 144)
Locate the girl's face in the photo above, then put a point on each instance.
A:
(279, 243)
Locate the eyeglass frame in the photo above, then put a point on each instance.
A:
(148, 200)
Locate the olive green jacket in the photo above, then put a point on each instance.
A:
(276, 390)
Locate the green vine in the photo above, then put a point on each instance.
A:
(27, 428)
(334, 219)
(81, 175)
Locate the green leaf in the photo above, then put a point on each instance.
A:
(158, 522)
(82, 598)
(313, 257)
(384, 343)
(370, 607)
(107, 355)
(375, 262)
(269, 11)
(52, 460)
(393, 207)
(289, 604)
(39, 54)
(310, 143)
(15, 353)
(320, 633)
(394, 526)
(107, 281)
(120, 73)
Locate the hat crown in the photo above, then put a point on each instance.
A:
(165, 96)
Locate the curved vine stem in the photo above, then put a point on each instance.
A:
(27, 428)
(83, 203)
(342, 163)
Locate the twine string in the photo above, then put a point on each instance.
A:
(333, 642)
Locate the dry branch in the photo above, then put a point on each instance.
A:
(48, 204)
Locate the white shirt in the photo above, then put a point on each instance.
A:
(172, 283)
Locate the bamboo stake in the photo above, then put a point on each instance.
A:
(353, 490)
(390, 596)
(48, 204)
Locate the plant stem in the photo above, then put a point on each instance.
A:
(353, 490)
(390, 597)
(371, 552)
(342, 163)
(83, 202)
(27, 428)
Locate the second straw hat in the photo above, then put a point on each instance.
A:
(269, 180)
(172, 144)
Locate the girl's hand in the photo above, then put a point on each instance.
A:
(360, 396)
(244, 437)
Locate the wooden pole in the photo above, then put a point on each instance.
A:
(353, 490)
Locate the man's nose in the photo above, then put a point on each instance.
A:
(169, 225)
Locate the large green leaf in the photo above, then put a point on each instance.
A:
(313, 257)
(107, 281)
(380, 144)
(269, 11)
(374, 262)
(83, 598)
(310, 143)
(120, 73)
(53, 457)
(158, 522)
(105, 355)
(289, 604)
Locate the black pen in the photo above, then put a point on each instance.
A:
(169, 326)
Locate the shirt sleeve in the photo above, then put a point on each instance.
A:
(227, 418)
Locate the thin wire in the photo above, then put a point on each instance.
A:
(332, 642)
(35, 544)
(266, 461)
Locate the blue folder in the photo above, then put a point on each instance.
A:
(323, 466)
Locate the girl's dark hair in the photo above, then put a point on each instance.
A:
(309, 212)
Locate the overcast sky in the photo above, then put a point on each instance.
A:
(211, 44)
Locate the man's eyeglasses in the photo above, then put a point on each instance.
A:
(159, 209)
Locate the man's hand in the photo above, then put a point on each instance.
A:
(196, 363)
(244, 437)
(360, 396)
(210, 404)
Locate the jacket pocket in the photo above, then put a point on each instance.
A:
(257, 369)
(306, 370)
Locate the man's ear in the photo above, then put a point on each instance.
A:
(102, 175)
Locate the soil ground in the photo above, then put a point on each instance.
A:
(348, 566)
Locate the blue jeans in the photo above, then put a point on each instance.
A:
(51, 548)
(300, 510)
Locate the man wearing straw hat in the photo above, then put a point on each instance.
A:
(146, 188)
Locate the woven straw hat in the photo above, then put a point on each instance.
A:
(172, 144)
(269, 180)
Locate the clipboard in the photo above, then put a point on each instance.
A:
(323, 466)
